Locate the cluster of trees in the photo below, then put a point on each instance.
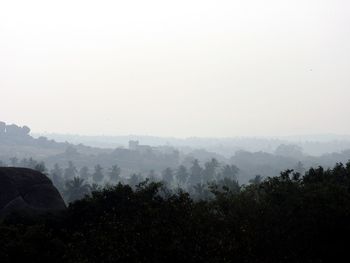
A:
(26, 163)
(198, 180)
(74, 183)
(290, 218)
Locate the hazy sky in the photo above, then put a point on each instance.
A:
(178, 68)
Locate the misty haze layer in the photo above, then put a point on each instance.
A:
(183, 68)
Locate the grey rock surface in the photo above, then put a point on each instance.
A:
(25, 189)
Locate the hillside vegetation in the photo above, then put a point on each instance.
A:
(289, 218)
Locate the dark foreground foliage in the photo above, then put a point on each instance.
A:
(290, 218)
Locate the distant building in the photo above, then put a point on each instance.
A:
(136, 146)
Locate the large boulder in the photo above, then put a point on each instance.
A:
(24, 189)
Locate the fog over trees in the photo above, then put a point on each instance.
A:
(193, 168)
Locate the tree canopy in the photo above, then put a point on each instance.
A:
(290, 218)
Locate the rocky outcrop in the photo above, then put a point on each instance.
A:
(14, 130)
(24, 189)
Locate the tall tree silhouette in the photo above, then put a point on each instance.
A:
(84, 173)
(182, 175)
(256, 180)
(209, 172)
(56, 175)
(196, 173)
(71, 171)
(229, 171)
(76, 189)
(98, 174)
(168, 176)
(114, 174)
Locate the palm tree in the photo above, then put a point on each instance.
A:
(94, 187)
(84, 172)
(76, 189)
(196, 172)
(134, 180)
(97, 176)
(182, 175)
(201, 192)
(209, 172)
(71, 171)
(114, 174)
(168, 176)
(228, 185)
(41, 167)
(256, 180)
(56, 175)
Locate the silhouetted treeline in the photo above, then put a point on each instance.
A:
(289, 218)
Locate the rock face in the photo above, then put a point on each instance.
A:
(14, 130)
(26, 189)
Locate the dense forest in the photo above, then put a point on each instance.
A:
(290, 218)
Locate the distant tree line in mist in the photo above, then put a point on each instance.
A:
(141, 160)
(74, 183)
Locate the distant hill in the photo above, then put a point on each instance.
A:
(253, 156)
(315, 145)
(16, 141)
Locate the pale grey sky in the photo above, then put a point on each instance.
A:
(176, 68)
